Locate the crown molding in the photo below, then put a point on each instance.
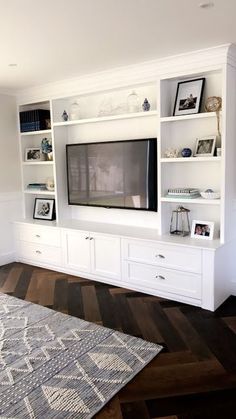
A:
(149, 71)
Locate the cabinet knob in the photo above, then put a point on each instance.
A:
(37, 235)
(91, 238)
(162, 278)
(86, 238)
(38, 252)
(160, 256)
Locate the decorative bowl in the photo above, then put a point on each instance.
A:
(210, 195)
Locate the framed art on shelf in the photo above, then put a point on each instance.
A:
(33, 154)
(205, 146)
(188, 97)
(44, 209)
(202, 230)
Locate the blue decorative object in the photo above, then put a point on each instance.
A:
(65, 116)
(146, 105)
(46, 145)
(186, 152)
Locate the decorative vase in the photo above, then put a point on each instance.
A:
(65, 116)
(186, 152)
(146, 105)
(49, 156)
(74, 111)
(133, 102)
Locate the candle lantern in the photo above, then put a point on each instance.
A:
(180, 222)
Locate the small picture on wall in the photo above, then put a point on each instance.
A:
(205, 146)
(44, 209)
(202, 230)
(33, 154)
(188, 97)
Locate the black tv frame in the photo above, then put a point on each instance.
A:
(114, 142)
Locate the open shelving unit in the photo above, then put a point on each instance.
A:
(175, 132)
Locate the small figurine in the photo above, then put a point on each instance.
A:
(65, 116)
(146, 105)
(171, 153)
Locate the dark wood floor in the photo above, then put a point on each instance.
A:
(193, 377)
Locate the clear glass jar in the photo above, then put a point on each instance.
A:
(74, 111)
(133, 103)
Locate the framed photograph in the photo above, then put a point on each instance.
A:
(44, 209)
(189, 97)
(202, 230)
(205, 146)
(33, 154)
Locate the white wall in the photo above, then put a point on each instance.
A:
(10, 183)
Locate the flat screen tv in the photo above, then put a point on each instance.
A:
(114, 174)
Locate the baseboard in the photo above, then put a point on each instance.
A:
(6, 258)
(233, 288)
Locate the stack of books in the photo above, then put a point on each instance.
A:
(183, 193)
(35, 120)
(37, 186)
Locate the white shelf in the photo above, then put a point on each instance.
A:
(187, 117)
(42, 132)
(189, 159)
(192, 200)
(106, 118)
(39, 192)
(37, 163)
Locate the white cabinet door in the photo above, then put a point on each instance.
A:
(77, 250)
(105, 255)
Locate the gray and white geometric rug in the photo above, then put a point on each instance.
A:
(56, 366)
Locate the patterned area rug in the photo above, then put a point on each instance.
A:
(56, 366)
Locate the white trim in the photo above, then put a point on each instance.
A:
(144, 72)
(233, 288)
(6, 258)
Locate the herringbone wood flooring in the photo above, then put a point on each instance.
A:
(194, 377)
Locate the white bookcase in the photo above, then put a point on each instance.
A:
(158, 82)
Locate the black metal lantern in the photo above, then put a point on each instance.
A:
(180, 222)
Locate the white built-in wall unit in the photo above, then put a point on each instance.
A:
(129, 248)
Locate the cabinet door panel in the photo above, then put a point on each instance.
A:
(77, 250)
(105, 255)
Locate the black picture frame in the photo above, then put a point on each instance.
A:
(188, 97)
(44, 209)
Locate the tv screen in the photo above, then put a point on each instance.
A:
(117, 174)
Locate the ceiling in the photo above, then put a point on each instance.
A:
(51, 40)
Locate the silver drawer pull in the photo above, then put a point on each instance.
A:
(38, 252)
(37, 235)
(160, 277)
(160, 256)
(86, 238)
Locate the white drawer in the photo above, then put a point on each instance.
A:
(39, 234)
(175, 257)
(39, 253)
(166, 280)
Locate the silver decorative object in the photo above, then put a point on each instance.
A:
(179, 224)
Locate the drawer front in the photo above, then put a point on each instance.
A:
(167, 280)
(39, 253)
(174, 257)
(39, 234)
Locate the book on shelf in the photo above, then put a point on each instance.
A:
(183, 192)
(34, 120)
(41, 186)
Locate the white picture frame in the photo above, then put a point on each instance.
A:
(33, 154)
(202, 230)
(205, 146)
